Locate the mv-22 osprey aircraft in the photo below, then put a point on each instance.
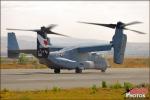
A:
(77, 58)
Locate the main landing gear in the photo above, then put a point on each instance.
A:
(78, 70)
(103, 71)
(57, 70)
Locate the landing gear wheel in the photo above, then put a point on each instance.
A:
(56, 70)
(78, 70)
(103, 71)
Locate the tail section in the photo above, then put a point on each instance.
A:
(13, 47)
(43, 42)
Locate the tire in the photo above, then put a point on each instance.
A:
(56, 70)
(78, 70)
(103, 71)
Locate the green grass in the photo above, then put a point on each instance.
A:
(116, 85)
(104, 85)
(128, 85)
(94, 89)
(56, 89)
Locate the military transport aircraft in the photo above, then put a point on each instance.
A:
(73, 57)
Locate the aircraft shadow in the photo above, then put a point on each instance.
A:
(63, 73)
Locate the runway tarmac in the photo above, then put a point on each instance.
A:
(31, 79)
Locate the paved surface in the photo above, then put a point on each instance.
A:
(30, 79)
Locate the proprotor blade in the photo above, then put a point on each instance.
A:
(51, 26)
(22, 29)
(99, 24)
(132, 23)
(50, 32)
(135, 31)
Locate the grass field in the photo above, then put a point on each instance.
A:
(93, 93)
(104, 91)
(70, 94)
(7, 63)
(132, 62)
(22, 66)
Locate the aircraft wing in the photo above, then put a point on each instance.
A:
(95, 48)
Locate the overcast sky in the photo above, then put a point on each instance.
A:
(34, 14)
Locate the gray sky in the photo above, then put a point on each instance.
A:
(34, 14)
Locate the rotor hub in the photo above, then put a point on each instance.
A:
(120, 25)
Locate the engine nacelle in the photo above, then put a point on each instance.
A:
(119, 45)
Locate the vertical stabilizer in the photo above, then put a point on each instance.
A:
(13, 47)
